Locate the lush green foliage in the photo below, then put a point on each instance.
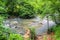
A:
(15, 37)
(57, 30)
(28, 9)
(3, 8)
(33, 35)
(21, 9)
(4, 32)
(25, 9)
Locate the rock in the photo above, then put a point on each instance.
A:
(7, 25)
(14, 22)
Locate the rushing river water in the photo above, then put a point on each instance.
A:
(19, 24)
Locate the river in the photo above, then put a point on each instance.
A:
(19, 24)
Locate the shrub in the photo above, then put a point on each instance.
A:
(33, 35)
(56, 32)
(3, 8)
(26, 10)
(15, 37)
(4, 33)
(22, 9)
